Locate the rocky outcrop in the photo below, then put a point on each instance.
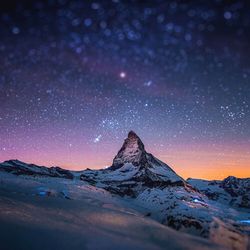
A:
(20, 168)
(232, 190)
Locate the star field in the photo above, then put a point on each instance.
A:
(76, 76)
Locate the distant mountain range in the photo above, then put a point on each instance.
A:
(217, 210)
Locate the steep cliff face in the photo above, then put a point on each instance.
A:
(132, 151)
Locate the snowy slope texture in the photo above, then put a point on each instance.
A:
(233, 191)
(91, 219)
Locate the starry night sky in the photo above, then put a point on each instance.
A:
(76, 76)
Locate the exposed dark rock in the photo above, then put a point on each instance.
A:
(132, 151)
(20, 168)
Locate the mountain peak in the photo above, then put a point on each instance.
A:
(133, 141)
(133, 163)
(132, 151)
(132, 134)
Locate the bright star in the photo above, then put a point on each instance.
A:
(122, 74)
(97, 139)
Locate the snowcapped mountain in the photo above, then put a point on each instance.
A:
(143, 183)
(133, 170)
(232, 191)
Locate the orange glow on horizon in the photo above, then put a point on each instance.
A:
(209, 164)
(195, 161)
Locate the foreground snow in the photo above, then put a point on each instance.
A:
(55, 213)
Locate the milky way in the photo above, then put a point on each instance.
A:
(76, 76)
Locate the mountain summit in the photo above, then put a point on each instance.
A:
(132, 151)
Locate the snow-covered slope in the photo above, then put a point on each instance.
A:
(233, 191)
(90, 218)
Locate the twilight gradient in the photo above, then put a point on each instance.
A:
(76, 76)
